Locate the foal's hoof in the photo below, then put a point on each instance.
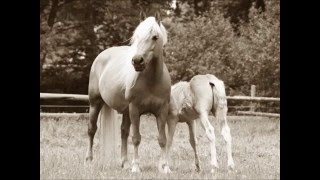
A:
(214, 168)
(135, 169)
(164, 169)
(230, 167)
(198, 169)
(88, 159)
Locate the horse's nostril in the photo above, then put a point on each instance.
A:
(137, 61)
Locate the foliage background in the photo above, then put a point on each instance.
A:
(236, 40)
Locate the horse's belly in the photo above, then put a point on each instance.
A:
(187, 114)
(114, 98)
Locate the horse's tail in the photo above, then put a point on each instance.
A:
(109, 135)
(219, 107)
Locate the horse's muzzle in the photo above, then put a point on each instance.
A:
(138, 63)
(139, 67)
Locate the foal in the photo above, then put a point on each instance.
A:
(196, 99)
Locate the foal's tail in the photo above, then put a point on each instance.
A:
(109, 135)
(219, 108)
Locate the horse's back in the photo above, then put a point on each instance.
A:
(105, 56)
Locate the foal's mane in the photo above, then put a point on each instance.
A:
(145, 29)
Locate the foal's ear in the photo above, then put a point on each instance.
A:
(158, 17)
(211, 83)
(143, 15)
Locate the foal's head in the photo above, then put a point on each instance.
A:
(147, 42)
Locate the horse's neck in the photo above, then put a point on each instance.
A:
(154, 71)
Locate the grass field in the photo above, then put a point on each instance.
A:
(256, 151)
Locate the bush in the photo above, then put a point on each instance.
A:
(208, 44)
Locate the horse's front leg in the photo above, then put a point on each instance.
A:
(161, 124)
(172, 121)
(136, 136)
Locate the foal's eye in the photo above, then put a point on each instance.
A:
(155, 38)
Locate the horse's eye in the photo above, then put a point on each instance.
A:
(155, 38)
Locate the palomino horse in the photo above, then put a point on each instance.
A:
(132, 80)
(196, 99)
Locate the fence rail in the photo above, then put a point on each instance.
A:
(258, 113)
(80, 97)
(253, 100)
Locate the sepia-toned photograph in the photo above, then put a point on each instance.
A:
(160, 89)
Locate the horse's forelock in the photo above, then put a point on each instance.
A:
(144, 29)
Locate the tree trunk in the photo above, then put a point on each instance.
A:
(196, 8)
(53, 13)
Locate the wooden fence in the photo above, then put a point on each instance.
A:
(253, 100)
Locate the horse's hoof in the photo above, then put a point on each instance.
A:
(135, 169)
(214, 168)
(88, 162)
(125, 165)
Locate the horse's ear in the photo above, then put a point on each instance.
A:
(158, 17)
(211, 83)
(143, 15)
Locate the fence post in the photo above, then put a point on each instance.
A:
(253, 94)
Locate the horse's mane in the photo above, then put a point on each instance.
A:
(142, 32)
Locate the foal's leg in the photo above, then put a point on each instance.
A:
(206, 125)
(95, 107)
(193, 142)
(161, 124)
(225, 132)
(125, 130)
(136, 136)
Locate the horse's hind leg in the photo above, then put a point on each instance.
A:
(193, 142)
(95, 107)
(211, 136)
(225, 132)
(125, 130)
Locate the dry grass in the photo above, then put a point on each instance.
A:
(256, 151)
